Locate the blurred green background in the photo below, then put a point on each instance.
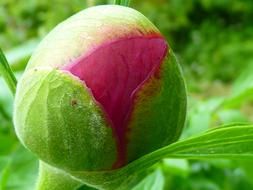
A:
(213, 40)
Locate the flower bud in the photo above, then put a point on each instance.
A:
(101, 90)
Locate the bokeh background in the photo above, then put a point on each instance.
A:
(213, 40)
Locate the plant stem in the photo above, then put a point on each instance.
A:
(7, 73)
(122, 2)
(117, 2)
(51, 178)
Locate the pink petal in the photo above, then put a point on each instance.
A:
(113, 71)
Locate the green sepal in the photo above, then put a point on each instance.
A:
(57, 118)
(159, 110)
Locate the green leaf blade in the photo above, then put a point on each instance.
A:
(7, 73)
(229, 142)
(122, 2)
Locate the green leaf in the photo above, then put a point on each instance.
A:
(7, 144)
(154, 181)
(122, 2)
(247, 165)
(231, 116)
(176, 166)
(230, 142)
(7, 73)
(200, 116)
(18, 56)
(6, 100)
(19, 171)
(6, 105)
(85, 187)
(242, 89)
(117, 2)
(204, 184)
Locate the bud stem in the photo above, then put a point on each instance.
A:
(122, 2)
(7, 73)
(51, 178)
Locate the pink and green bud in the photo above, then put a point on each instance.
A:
(101, 90)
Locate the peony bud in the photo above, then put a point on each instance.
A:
(101, 90)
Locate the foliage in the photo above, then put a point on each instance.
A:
(212, 39)
(212, 36)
